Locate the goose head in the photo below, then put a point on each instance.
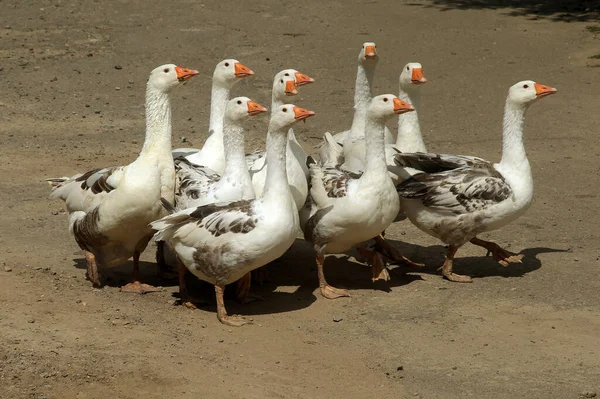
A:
(227, 72)
(286, 115)
(241, 108)
(368, 54)
(284, 87)
(165, 77)
(527, 92)
(412, 76)
(385, 106)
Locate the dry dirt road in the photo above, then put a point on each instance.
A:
(72, 76)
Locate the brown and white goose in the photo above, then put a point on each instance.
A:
(110, 208)
(220, 243)
(459, 197)
(348, 209)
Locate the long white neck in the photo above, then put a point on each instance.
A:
(276, 184)
(158, 124)
(276, 101)
(362, 96)
(233, 141)
(218, 101)
(376, 167)
(513, 150)
(409, 130)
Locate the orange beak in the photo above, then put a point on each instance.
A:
(370, 52)
(417, 76)
(302, 79)
(542, 91)
(301, 113)
(185, 73)
(255, 108)
(401, 107)
(241, 71)
(290, 88)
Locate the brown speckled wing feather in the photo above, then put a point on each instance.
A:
(335, 181)
(98, 180)
(192, 182)
(86, 232)
(461, 190)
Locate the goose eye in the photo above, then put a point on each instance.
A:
(239, 101)
(166, 70)
(525, 86)
(281, 80)
(408, 68)
(385, 99)
(287, 74)
(227, 64)
(284, 110)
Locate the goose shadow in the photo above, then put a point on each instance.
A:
(474, 266)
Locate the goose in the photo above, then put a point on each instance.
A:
(409, 138)
(212, 155)
(457, 197)
(350, 209)
(110, 208)
(284, 86)
(367, 61)
(220, 243)
(198, 185)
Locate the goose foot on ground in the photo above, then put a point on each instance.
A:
(135, 286)
(230, 320)
(328, 291)
(500, 254)
(447, 267)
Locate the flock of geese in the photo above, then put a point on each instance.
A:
(221, 214)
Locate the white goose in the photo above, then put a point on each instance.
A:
(367, 61)
(198, 185)
(212, 155)
(220, 243)
(409, 137)
(110, 208)
(350, 209)
(284, 86)
(459, 197)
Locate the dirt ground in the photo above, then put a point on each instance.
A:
(72, 80)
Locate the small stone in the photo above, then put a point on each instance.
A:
(97, 111)
(78, 301)
(7, 269)
(587, 394)
(118, 67)
(31, 320)
(183, 139)
(337, 319)
(23, 63)
(454, 368)
(54, 213)
(400, 368)
(37, 268)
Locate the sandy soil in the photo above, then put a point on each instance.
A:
(72, 76)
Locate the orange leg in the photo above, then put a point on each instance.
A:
(135, 286)
(243, 290)
(234, 321)
(378, 268)
(392, 253)
(92, 270)
(327, 291)
(447, 267)
(500, 254)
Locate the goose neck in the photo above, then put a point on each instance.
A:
(409, 137)
(513, 150)
(233, 142)
(376, 166)
(276, 184)
(158, 123)
(362, 96)
(218, 101)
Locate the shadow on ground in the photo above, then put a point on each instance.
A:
(555, 10)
